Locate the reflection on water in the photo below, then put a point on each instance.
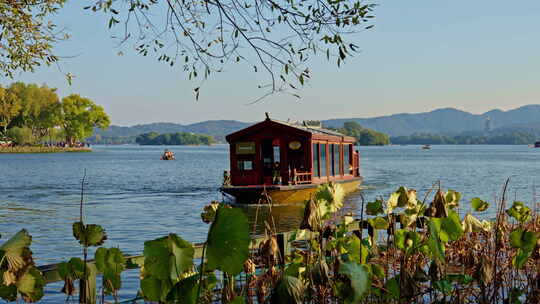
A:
(288, 217)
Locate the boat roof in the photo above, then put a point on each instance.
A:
(301, 127)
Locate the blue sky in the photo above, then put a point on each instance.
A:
(421, 55)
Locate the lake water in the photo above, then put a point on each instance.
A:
(136, 197)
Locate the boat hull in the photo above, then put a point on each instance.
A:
(283, 194)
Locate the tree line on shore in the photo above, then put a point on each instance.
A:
(178, 138)
(32, 114)
(364, 136)
(514, 138)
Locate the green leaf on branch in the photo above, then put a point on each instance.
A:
(227, 247)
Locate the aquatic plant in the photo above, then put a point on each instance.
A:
(414, 252)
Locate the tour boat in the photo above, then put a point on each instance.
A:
(426, 147)
(167, 155)
(286, 162)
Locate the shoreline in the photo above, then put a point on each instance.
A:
(39, 149)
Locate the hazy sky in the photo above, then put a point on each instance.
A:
(421, 55)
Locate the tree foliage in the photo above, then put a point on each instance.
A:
(179, 138)
(27, 36)
(80, 117)
(364, 136)
(512, 138)
(29, 113)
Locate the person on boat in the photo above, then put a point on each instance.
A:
(276, 174)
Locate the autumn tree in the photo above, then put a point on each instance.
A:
(10, 107)
(40, 107)
(80, 116)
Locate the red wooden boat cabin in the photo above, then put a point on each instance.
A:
(288, 161)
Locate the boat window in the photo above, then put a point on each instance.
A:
(323, 159)
(315, 151)
(276, 154)
(347, 159)
(245, 165)
(335, 159)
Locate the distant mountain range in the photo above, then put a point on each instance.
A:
(447, 121)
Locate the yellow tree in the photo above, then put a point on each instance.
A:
(10, 106)
(79, 117)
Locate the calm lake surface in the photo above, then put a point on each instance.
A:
(136, 197)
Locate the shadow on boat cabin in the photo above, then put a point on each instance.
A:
(288, 161)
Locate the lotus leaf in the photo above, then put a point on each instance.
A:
(392, 202)
(154, 289)
(89, 235)
(167, 258)
(30, 285)
(434, 242)
(406, 240)
(374, 208)
(448, 228)
(392, 287)
(378, 223)
(8, 293)
(289, 290)
(376, 270)
(111, 263)
(452, 198)
(312, 216)
(472, 224)
(18, 274)
(355, 250)
(523, 239)
(520, 212)
(359, 282)
(227, 247)
(479, 205)
(520, 258)
(185, 291)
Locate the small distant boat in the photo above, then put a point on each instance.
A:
(537, 144)
(426, 147)
(167, 155)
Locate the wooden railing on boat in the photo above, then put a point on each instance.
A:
(301, 177)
